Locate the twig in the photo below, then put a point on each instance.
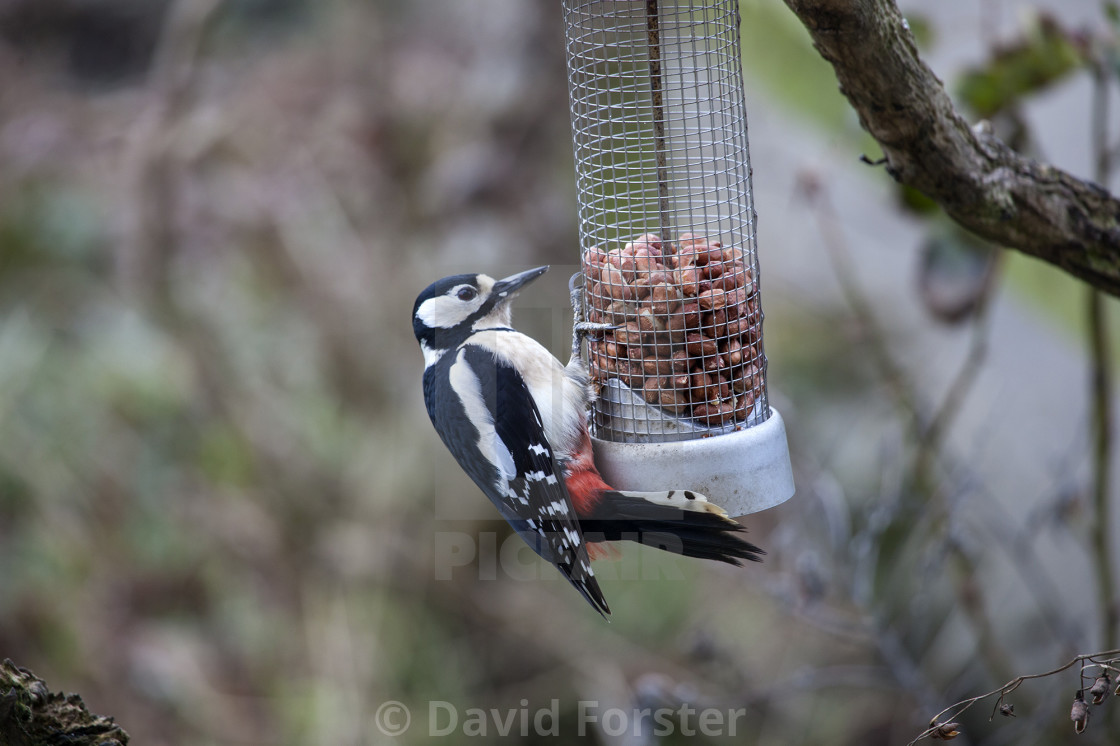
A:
(956, 710)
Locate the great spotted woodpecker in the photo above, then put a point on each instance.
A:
(515, 419)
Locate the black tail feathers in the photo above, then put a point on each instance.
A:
(705, 534)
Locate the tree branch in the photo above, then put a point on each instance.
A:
(31, 715)
(979, 181)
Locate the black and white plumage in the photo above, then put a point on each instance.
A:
(484, 385)
(515, 418)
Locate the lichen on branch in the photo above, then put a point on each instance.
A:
(32, 715)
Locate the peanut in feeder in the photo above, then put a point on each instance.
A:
(668, 252)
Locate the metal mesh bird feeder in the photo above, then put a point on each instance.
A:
(668, 253)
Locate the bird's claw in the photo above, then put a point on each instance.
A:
(587, 328)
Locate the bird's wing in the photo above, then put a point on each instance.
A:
(530, 491)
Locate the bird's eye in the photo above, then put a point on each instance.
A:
(467, 293)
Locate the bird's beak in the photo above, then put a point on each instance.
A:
(507, 287)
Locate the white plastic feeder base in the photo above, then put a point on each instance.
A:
(742, 472)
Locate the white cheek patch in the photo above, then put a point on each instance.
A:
(446, 311)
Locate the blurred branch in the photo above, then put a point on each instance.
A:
(32, 714)
(146, 262)
(979, 181)
(816, 196)
(931, 437)
(972, 602)
(1101, 388)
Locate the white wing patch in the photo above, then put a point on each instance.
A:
(466, 384)
(561, 400)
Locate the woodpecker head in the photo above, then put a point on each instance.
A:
(449, 310)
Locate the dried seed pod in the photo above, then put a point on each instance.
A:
(1079, 712)
(1101, 687)
(1007, 710)
(944, 731)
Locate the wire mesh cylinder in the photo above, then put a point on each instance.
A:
(666, 217)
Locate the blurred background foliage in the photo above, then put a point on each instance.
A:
(224, 516)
